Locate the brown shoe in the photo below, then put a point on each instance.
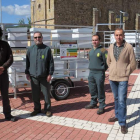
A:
(48, 113)
(124, 129)
(113, 119)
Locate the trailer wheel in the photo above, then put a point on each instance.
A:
(60, 90)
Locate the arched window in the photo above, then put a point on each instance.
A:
(39, 6)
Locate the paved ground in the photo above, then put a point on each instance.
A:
(70, 121)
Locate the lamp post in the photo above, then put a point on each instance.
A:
(122, 18)
(33, 11)
(1, 11)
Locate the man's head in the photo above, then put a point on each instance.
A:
(96, 40)
(38, 38)
(119, 36)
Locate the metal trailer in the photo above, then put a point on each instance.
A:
(65, 74)
(66, 71)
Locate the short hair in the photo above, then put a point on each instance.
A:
(38, 32)
(1, 32)
(120, 29)
(99, 37)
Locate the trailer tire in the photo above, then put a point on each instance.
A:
(58, 93)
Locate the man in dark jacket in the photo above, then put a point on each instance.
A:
(39, 68)
(6, 60)
(97, 67)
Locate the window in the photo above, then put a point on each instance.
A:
(39, 6)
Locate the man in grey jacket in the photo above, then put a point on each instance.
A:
(39, 68)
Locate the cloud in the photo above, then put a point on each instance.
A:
(23, 10)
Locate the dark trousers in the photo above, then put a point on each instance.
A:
(96, 88)
(4, 86)
(38, 85)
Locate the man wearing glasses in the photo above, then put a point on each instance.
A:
(39, 68)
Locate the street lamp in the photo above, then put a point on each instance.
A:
(1, 10)
(122, 18)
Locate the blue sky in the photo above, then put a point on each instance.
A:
(14, 10)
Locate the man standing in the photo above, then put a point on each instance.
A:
(39, 68)
(121, 61)
(97, 67)
(6, 60)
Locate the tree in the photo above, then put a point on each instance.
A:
(23, 24)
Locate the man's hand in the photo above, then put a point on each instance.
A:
(1, 70)
(28, 77)
(49, 78)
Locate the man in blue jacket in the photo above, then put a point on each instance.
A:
(39, 69)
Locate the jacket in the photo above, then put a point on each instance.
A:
(6, 56)
(39, 61)
(121, 69)
(97, 59)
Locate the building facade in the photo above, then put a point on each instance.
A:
(86, 13)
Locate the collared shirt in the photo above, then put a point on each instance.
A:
(117, 50)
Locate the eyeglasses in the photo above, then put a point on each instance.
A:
(37, 37)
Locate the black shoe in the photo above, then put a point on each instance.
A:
(100, 111)
(34, 113)
(91, 106)
(113, 119)
(124, 129)
(11, 118)
(48, 113)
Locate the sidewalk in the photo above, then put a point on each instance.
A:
(70, 120)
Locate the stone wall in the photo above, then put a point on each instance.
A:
(81, 12)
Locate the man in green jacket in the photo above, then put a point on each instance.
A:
(97, 67)
(39, 68)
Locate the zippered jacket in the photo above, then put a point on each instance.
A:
(121, 69)
(39, 61)
(6, 56)
(97, 59)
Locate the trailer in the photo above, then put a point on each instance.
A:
(70, 49)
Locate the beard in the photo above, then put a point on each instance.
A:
(38, 42)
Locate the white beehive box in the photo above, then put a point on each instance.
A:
(60, 67)
(83, 37)
(79, 68)
(60, 34)
(19, 67)
(17, 37)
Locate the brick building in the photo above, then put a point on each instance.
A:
(85, 12)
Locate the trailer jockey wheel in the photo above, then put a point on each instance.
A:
(60, 90)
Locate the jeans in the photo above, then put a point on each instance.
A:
(119, 90)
